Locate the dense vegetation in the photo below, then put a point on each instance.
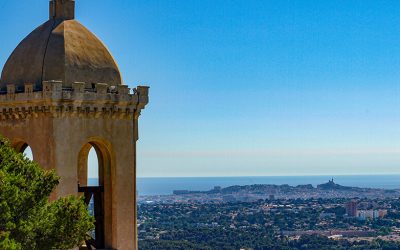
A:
(27, 219)
(309, 242)
(260, 225)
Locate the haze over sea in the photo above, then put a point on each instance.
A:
(162, 186)
(166, 185)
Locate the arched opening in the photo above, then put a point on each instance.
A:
(93, 181)
(94, 177)
(23, 147)
(93, 168)
(28, 152)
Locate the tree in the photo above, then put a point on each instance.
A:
(28, 220)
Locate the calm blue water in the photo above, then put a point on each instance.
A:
(156, 186)
(159, 186)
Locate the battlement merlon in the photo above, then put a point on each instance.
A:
(143, 93)
(81, 97)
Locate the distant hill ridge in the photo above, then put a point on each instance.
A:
(284, 188)
(332, 185)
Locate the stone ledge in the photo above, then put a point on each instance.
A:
(79, 91)
(100, 101)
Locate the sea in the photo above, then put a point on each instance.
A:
(166, 185)
(163, 186)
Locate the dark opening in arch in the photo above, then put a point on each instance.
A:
(94, 176)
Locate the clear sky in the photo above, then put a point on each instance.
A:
(250, 87)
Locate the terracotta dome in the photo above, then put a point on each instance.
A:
(61, 49)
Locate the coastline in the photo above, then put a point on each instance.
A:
(166, 185)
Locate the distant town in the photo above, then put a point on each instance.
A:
(272, 217)
(265, 191)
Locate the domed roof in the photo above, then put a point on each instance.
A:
(60, 49)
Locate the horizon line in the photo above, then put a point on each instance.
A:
(257, 176)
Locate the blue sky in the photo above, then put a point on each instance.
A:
(250, 87)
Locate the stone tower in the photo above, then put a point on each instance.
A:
(61, 93)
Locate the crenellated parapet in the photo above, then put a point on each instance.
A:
(82, 99)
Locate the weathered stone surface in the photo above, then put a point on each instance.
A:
(62, 9)
(61, 94)
(62, 50)
(61, 125)
(98, 102)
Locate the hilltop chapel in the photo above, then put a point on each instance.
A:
(62, 94)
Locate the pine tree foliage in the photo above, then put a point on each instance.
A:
(28, 220)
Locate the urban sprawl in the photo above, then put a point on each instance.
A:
(272, 217)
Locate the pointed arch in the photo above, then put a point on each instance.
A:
(106, 174)
(21, 146)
